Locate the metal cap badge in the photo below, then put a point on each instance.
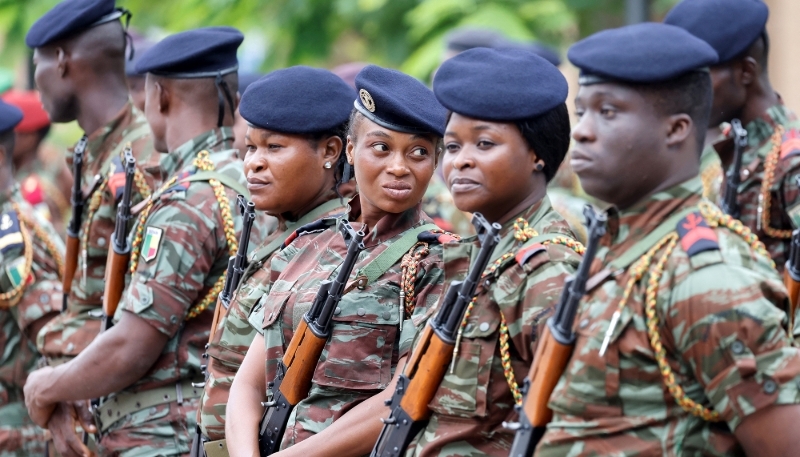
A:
(366, 100)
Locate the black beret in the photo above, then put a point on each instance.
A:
(729, 26)
(10, 116)
(465, 38)
(499, 84)
(198, 53)
(641, 53)
(399, 102)
(541, 50)
(70, 17)
(298, 100)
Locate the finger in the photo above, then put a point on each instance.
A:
(62, 426)
(85, 417)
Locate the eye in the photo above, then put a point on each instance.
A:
(419, 152)
(380, 147)
(608, 112)
(485, 144)
(274, 147)
(578, 113)
(452, 147)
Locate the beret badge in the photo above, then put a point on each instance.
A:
(366, 100)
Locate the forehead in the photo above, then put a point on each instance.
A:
(366, 128)
(612, 92)
(461, 121)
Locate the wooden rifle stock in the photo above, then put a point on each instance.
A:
(554, 350)
(300, 360)
(428, 363)
(791, 277)
(74, 227)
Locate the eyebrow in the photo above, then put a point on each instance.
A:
(378, 133)
(479, 128)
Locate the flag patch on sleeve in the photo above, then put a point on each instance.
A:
(152, 241)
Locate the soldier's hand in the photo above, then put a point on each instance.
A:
(83, 410)
(62, 427)
(38, 411)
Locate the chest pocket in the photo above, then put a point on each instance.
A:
(465, 390)
(360, 354)
(592, 382)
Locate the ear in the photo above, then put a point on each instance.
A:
(62, 61)
(163, 97)
(749, 69)
(679, 128)
(350, 150)
(333, 149)
(534, 162)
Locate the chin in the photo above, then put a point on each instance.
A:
(263, 203)
(470, 203)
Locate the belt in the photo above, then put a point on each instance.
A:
(217, 448)
(123, 404)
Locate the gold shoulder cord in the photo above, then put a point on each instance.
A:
(765, 196)
(203, 163)
(11, 298)
(715, 218)
(522, 233)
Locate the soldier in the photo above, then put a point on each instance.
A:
(506, 137)
(294, 166)
(31, 262)
(393, 141)
(79, 52)
(44, 177)
(769, 195)
(681, 347)
(182, 239)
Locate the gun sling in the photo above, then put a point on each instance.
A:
(115, 408)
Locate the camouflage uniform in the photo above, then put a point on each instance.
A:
(783, 198)
(718, 303)
(39, 188)
(40, 297)
(366, 342)
(711, 174)
(474, 400)
(184, 253)
(68, 334)
(234, 333)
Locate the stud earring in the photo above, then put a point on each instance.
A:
(539, 166)
(327, 165)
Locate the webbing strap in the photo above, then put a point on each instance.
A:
(226, 180)
(309, 217)
(644, 245)
(386, 259)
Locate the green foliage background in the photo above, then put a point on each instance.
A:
(406, 34)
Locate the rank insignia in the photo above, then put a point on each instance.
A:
(10, 234)
(150, 246)
(525, 254)
(366, 100)
(116, 179)
(695, 234)
(790, 144)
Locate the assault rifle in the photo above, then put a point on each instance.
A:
(791, 276)
(555, 349)
(293, 380)
(426, 367)
(730, 203)
(74, 227)
(120, 253)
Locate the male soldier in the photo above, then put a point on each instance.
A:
(184, 234)
(79, 49)
(680, 347)
(31, 256)
(44, 178)
(768, 195)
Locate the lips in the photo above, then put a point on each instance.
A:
(256, 183)
(397, 189)
(462, 184)
(580, 161)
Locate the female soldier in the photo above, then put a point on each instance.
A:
(393, 141)
(505, 139)
(294, 165)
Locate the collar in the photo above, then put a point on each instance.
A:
(213, 140)
(626, 228)
(388, 226)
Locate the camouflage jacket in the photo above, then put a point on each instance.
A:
(25, 297)
(44, 188)
(68, 334)
(474, 400)
(233, 334)
(718, 304)
(781, 208)
(711, 174)
(182, 252)
(366, 342)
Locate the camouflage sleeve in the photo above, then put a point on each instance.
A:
(723, 321)
(428, 287)
(164, 287)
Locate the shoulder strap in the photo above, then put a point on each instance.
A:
(386, 259)
(226, 180)
(644, 245)
(311, 216)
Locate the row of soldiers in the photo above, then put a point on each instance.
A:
(669, 333)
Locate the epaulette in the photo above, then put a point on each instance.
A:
(32, 190)
(116, 178)
(10, 232)
(436, 237)
(319, 225)
(791, 143)
(524, 254)
(695, 234)
(180, 185)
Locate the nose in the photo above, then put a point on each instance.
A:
(462, 159)
(583, 131)
(397, 165)
(254, 162)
